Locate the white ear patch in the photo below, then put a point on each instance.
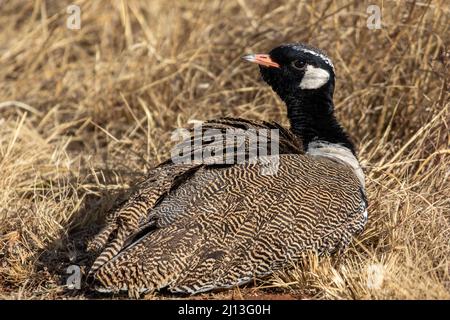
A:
(314, 78)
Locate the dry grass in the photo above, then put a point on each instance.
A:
(84, 113)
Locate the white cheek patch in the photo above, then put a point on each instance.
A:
(314, 78)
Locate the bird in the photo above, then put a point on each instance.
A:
(199, 224)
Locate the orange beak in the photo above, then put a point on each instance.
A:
(262, 59)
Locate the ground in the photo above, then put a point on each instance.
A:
(84, 113)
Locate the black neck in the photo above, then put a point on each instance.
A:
(312, 118)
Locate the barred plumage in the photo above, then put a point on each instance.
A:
(198, 226)
(237, 229)
(135, 213)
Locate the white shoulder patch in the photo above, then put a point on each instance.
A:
(314, 78)
(337, 152)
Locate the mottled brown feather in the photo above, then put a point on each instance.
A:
(136, 213)
(223, 226)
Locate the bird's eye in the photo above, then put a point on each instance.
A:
(299, 65)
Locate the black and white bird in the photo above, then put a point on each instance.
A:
(194, 227)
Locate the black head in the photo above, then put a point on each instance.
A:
(303, 77)
(296, 69)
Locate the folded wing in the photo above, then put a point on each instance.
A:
(227, 225)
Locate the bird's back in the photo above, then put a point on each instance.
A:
(209, 224)
(224, 226)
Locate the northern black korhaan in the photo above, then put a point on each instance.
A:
(194, 227)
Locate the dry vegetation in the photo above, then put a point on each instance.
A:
(84, 113)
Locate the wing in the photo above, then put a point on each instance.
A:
(240, 136)
(133, 214)
(137, 212)
(233, 224)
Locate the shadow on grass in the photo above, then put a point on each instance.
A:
(71, 248)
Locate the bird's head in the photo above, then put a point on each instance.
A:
(294, 70)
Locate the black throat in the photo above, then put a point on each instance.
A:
(311, 114)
